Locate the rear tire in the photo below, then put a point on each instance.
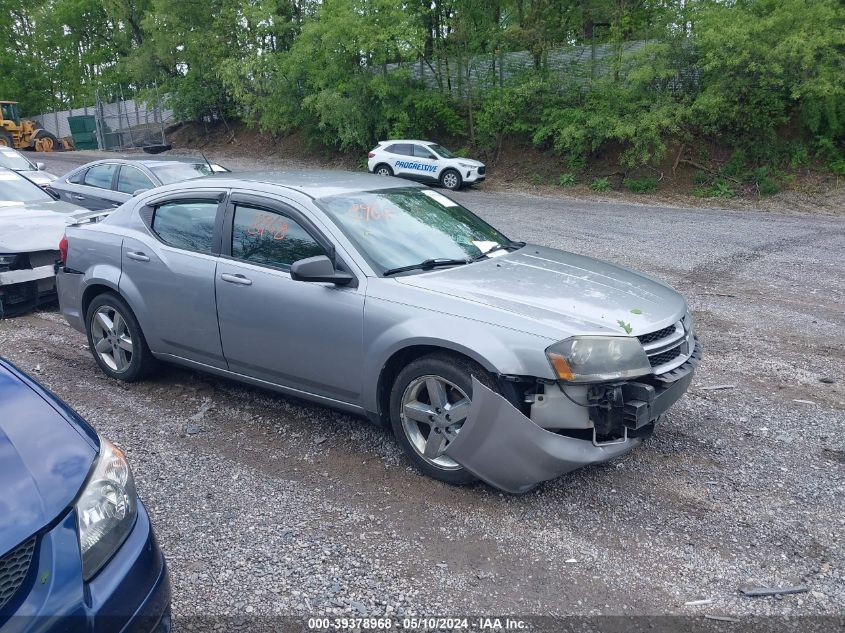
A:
(116, 340)
(410, 394)
(383, 170)
(451, 180)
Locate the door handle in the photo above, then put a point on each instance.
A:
(137, 256)
(236, 279)
(76, 196)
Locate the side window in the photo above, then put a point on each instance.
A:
(391, 149)
(79, 177)
(99, 176)
(405, 149)
(187, 224)
(130, 179)
(421, 152)
(267, 237)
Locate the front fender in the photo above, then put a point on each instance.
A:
(391, 327)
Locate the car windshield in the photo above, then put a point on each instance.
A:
(445, 153)
(16, 188)
(402, 227)
(178, 172)
(13, 160)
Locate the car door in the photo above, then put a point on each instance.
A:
(168, 269)
(302, 335)
(403, 156)
(426, 167)
(93, 188)
(129, 180)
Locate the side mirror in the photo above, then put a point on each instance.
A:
(138, 192)
(319, 268)
(40, 166)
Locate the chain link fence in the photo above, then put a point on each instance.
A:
(116, 125)
(130, 123)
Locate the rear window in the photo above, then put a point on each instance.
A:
(187, 224)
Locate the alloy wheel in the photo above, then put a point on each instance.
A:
(433, 412)
(450, 180)
(383, 171)
(112, 339)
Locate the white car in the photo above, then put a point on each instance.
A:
(32, 223)
(13, 159)
(424, 161)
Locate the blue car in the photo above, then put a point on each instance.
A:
(77, 552)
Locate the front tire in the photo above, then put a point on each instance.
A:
(44, 141)
(429, 403)
(383, 170)
(115, 339)
(451, 180)
(6, 139)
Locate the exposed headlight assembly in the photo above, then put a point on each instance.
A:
(583, 359)
(106, 509)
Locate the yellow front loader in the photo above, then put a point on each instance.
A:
(24, 134)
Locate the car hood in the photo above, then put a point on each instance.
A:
(563, 293)
(26, 227)
(46, 452)
(38, 177)
(468, 161)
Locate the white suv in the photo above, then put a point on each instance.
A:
(425, 161)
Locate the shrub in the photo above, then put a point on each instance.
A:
(642, 185)
(567, 180)
(721, 189)
(601, 184)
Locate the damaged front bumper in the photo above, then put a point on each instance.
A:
(28, 281)
(503, 447)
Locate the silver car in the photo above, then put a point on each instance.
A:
(106, 184)
(489, 358)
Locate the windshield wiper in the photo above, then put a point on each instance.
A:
(428, 264)
(497, 247)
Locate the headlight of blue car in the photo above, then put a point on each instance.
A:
(584, 359)
(106, 509)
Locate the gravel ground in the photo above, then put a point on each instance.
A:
(266, 506)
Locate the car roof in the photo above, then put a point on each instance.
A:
(391, 141)
(315, 183)
(146, 162)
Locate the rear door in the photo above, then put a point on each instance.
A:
(93, 189)
(302, 335)
(402, 157)
(168, 269)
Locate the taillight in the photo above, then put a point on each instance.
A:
(63, 250)
(371, 155)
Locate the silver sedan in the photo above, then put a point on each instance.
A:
(490, 358)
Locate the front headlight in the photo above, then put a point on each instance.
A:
(7, 259)
(106, 509)
(598, 358)
(467, 165)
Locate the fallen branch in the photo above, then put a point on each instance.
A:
(692, 163)
(678, 158)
